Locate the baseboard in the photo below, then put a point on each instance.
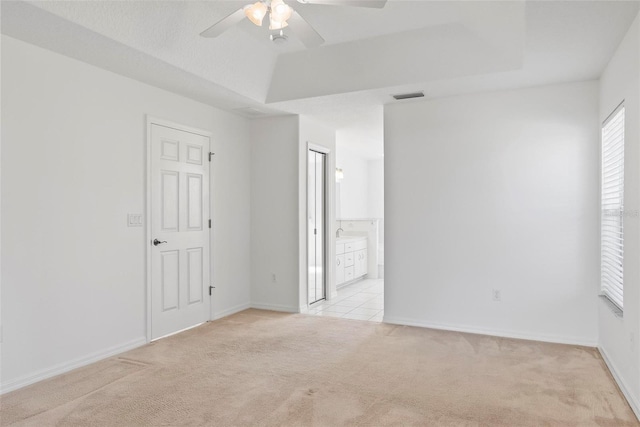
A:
(493, 332)
(61, 368)
(351, 282)
(275, 307)
(233, 310)
(631, 399)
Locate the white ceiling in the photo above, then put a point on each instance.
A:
(441, 47)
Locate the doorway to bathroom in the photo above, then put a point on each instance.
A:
(356, 285)
(316, 229)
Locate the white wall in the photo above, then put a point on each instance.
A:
(231, 183)
(317, 134)
(274, 213)
(73, 166)
(618, 337)
(361, 191)
(354, 187)
(495, 191)
(278, 209)
(1, 316)
(375, 176)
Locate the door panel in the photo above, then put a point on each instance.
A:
(169, 149)
(320, 218)
(170, 277)
(194, 154)
(170, 204)
(195, 264)
(311, 238)
(317, 216)
(194, 203)
(180, 266)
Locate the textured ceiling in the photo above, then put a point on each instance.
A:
(441, 47)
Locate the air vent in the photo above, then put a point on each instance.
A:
(409, 95)
(250, 112)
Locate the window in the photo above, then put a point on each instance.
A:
(612, 203)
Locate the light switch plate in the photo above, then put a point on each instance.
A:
(134, 220)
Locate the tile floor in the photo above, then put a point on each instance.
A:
(363, 300)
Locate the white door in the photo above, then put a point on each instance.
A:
(316, 210)
(179, 238)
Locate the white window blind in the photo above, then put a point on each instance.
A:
(612, 241)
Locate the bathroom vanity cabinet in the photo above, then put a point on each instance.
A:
(351, 259)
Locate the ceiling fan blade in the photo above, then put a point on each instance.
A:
(305, 32)
(354, 3)
(224, 24)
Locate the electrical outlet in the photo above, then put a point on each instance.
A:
(274, 279)
(496, 294)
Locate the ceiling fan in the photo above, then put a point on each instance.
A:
(282, 15)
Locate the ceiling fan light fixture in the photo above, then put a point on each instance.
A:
(277, 25)
(256, 12)
(279, 38)
(280, 11)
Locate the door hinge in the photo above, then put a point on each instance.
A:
(211, 154)
(211, 288)
(315, 231)
(209, 223)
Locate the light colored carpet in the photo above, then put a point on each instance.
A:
(270, 369)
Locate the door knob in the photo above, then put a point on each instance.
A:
(157, 242)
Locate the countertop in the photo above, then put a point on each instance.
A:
(347, 239)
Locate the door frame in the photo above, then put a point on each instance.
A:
(152, 120)
(328, 271)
